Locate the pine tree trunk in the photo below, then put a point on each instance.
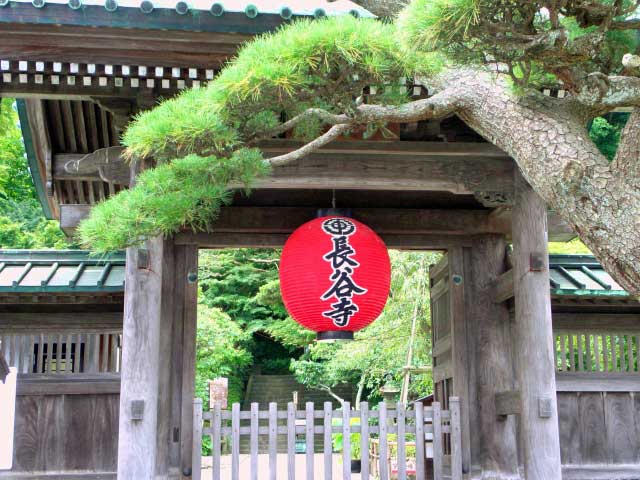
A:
(551, 145)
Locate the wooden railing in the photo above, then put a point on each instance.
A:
(63, 353)
(397, 427)
(597, 351)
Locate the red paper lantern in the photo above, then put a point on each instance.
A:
(334, 276)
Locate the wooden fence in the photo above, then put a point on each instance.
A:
(63, 353)
(597, 352)
(400, 426)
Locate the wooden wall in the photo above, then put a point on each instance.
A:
(599, 427)
(66, 433)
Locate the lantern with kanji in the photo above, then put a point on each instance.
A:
(334, 276)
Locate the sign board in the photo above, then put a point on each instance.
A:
(219, 392)
(7, 418)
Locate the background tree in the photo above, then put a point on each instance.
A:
(22, 224)
(484, 61)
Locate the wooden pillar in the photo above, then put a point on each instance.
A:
(534, 348)
(158, 361)
(490, 334)
(137, 453)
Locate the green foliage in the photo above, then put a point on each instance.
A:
(185, 192)
(221, 352)
(237, 281)
(574, 247)
(535, 42)
(22, 224)
(605, 133)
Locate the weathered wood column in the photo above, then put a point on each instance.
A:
(158, 361)
(534, 348)
(137, 454)
(490, 334)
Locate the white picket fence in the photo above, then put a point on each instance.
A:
(416, 424)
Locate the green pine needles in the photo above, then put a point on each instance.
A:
(187, 192)
(198, 139)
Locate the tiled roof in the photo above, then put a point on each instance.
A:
(251, 8)
(59, 271)
(77, 271)
(581, 275)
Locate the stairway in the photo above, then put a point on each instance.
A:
(264, 389)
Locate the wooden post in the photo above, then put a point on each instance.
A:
(491, 335)
(137, 454)
(462, 368)
(158, 362)
(534, 336)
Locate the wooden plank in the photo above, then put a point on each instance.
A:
(383, 448)
(629, 342)
(39, 366)
(364, 442)
(614, 354)
(534, 336)
(563, 351)
(489, 361)
(401, 451)
(622, 438)
(291, 439)
(456, 439)
(460, 348)
(309, 433)
(569, 423)
(438, 451)
(507, 403)
(67, 353)
(196, 461)
(605, 353)
(593, 428)
(596, 352)
(346, 441)
(572, 354)
(580, 339)
(216, 429)
(273, 440)
(597, 382)
(253, 439)
(600, 472)
(235, 441)
(59, 369)
(76, 384)
(589, 359)
(54, 322)
(186, 263)
(327, 441)
(113, 347)
(421, 454)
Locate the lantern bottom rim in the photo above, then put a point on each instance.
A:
(333, 335)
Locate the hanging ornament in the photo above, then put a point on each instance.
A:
(334, 276)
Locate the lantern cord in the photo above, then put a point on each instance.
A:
(333, 198)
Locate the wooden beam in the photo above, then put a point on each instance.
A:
(277, 240)
(364, 165)
(534, 340)
(73, 384)
(116, 46)
(597, 382)
(606, 323)
(507, 403)
(53, 322)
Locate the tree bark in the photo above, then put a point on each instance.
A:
(551, 145)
